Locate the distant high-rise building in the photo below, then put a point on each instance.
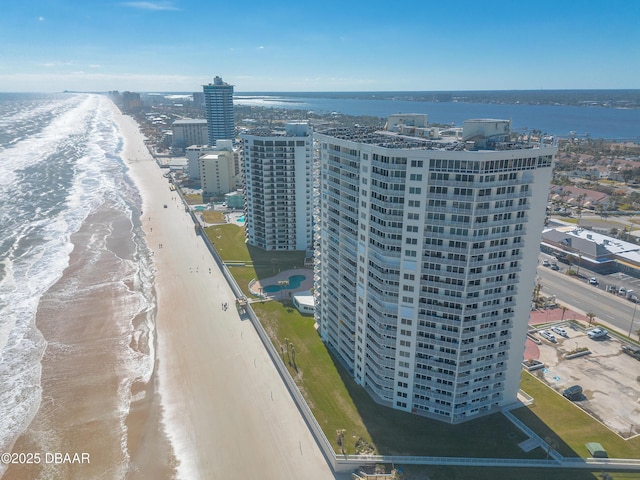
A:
(131, 102)
(426, 257)
(278, 170)
(198, 99)
(218, 98)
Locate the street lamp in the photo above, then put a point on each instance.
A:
(635, 307)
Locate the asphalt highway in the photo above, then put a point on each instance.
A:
(578, 294)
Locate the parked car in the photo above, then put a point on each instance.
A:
(548, 335)
(622, 291)
(545, 263)
(573, 393)
(631, 350)
(560, 331)
(597, 332)
(593, 281)
(554, 266)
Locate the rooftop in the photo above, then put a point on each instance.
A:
(190, 121)
(480, 134)
(597, 246)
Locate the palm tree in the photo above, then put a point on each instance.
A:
(564, 310)
(590, 316)
(536, 292)
(580, 199)
(564, 194)
(293, 355)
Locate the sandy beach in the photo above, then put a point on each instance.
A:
(224, 407)
(212, 405)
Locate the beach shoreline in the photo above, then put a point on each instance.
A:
(225, 409)
(182, 388)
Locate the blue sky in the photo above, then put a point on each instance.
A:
(257, 45)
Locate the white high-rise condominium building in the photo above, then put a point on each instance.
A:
(426, 260)
(218, 106)
(187, 132)
(278, 170)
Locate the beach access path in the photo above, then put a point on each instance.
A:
(225, 409)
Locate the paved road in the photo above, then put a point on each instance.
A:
(609, 308)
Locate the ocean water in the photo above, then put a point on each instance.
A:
(620, 124)
(60, 164)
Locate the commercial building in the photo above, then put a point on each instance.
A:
(426, 255)
(278, 171)
(218, 99)
(581, 248)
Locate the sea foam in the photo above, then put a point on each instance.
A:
(65, 166)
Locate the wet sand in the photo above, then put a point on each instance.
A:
(89, 364)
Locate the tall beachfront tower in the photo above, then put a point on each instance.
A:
(218, 104)
(278, 169)
(426, 260)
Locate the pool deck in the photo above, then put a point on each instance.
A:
(232, 217)
(305, 285)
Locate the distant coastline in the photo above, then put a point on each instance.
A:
(629, 98)
(612, 115)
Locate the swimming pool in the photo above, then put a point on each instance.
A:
(240, 219)
(294, 282)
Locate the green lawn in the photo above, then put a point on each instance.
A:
(193, 198)
(229, 241)
(339, 403)
(555, 417)
(212, 216)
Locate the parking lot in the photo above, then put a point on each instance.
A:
(609, 378)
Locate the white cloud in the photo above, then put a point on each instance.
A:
(41, 19)
(57, 64)
(151, 5)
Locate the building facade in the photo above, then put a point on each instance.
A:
(187, 132)
(426, 254)
(217, 173)
(278, 172)
(215, 168)
(218, 103)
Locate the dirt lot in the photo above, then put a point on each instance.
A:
(609, 378)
